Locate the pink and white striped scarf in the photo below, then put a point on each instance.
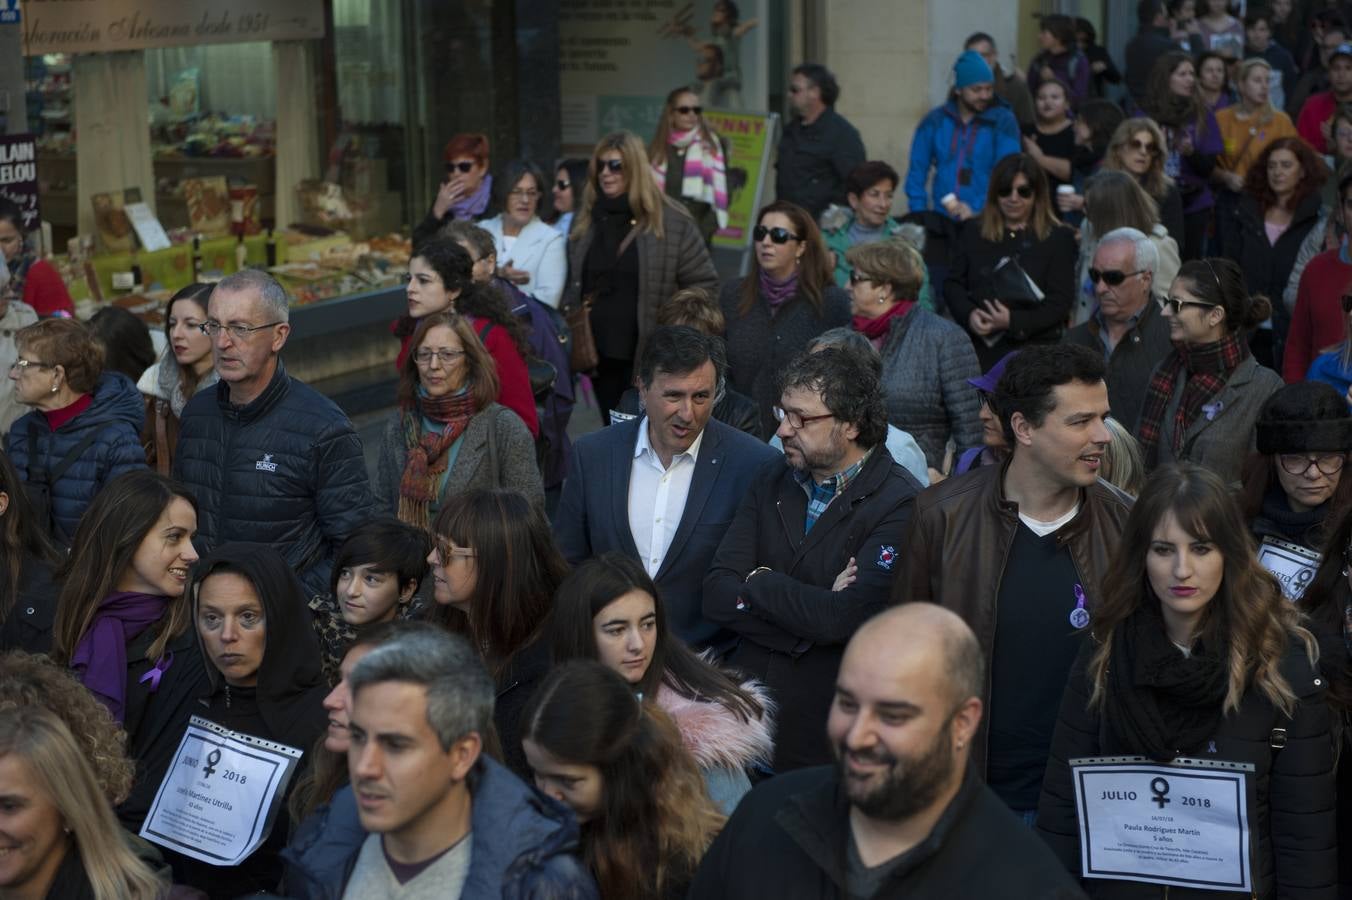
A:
(705, 177)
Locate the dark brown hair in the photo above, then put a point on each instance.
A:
(1041, 220)
(815, 273)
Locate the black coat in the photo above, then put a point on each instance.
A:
(814, 161)
(516, 684)
(1051, 265)
(28, 625)
(1267, 267)
(1293, 821)
(789, 838)
(792, 629)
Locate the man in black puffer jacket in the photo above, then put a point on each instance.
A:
(269, 459)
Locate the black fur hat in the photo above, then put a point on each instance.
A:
(1308, 416)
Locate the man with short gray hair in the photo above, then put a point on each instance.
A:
(268, 458)
(1126, 327)
(422, 705)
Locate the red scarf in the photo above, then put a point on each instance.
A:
(875, 328)
(426, 458)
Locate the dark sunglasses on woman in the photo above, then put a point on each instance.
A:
(776, 234)
(1024, 190)
(687, 110)
(563, 185)
(460, 166)
(614, 165)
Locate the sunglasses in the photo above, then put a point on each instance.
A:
(1112, 277)
(1347, 303)
(687, 110)
(563, 185)
(460, 166)
(1142, 147)
(1176, 305)
(613, 165)
(778, 235)
(1024, 190)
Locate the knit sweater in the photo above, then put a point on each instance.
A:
(442, 880)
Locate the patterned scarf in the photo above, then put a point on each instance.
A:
(427, 452)
(473, 206)
(1208, 367)
(704, 177)
(776, 293)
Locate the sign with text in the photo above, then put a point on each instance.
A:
(1184, 824)
(19, 175)
(100, 26)
(1293, 565)
(749, 137)
(221, 795)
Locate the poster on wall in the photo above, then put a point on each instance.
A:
(749, 138)
(62, 26)
(19, 176)
(620, 59)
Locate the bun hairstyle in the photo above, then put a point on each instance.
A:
(1221, 282)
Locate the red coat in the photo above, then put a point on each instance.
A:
(44, 290)
(513, 379)
(1317, 110)
(1317, 322)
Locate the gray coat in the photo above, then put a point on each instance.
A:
(514, 449)
(761, 345)
(926, 363)
(1223, 442)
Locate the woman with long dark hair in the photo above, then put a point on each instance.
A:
(609, 610)
(495, 570)
(787, 298)
(619, 764)
(570, 176)
(1204, 397)
(1193, 142)
(990, 298)
(185, 367)
(1196, 654)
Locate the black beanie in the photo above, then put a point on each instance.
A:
(1306, 417)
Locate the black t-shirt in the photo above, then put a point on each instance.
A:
(1035, 645)
(1060, 145)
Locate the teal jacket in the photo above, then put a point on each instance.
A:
(835, 224)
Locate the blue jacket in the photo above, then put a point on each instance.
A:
(525, 848)
(1328, 368)
(115, 416)
(939, 142)
(286, 470)
(593, 514)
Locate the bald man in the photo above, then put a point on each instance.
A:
(899, 814)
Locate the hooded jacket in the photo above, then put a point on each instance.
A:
(526, 848)
(943, 141)
(723, 744)
(285, 470)
(114, 417)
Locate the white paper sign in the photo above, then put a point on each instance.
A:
(1184, 824)
(1294, 565)
(218, 800)
(148, 228)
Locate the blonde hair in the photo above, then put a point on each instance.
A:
(645, 199)
(1155, 181)
(1267, 111)
(657, 150)
(42, 741)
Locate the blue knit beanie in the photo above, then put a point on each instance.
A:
(971, 69)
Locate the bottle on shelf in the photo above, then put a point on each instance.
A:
(197, 257)
(241, 254)
(271, 249)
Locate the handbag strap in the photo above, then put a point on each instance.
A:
(51, 477)
(493, 452)
(628, 239)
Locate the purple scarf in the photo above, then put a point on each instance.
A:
(100, 659)
(475, 203)
(777, 292)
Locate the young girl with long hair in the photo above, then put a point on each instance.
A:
(646, 820)
(1196, 654)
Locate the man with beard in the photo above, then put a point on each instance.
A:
(961, 141)
(812, 550)
(819, 147)
(1018, 550)
(900, 814)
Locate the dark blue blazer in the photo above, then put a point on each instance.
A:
(593, 513)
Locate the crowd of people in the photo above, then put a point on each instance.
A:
(885, 548)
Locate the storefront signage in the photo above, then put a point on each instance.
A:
(1184, 824)
(100, 26)
(10, 13)
(19, 175)
(749, 137)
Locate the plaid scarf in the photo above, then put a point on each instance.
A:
(1209, 367)
(426, 459)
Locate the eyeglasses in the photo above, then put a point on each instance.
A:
(1347, 303)
(1141, 146)
(445, 357)
(1299, 463)
(1176, 305)
(448, 551)
(24, 365)
(1112, 277)
(461, 166)
(687, 110)
(562, 185)
(797, 420)
(528, 193)
(613, 165)
(857, 278)
(1024, 190)
(776, 234)
(237, 332)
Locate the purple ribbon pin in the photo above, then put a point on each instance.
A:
(157, 672)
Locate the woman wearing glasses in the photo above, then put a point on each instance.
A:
(1293, 487)
(530, 253)
(1016, 234)
(788, 298)
(690, 162)
(1279, 209)
(185, 367)
(466, 191)
(449, 435)
(569, 178)
(84, 427)
(1137, 148)
(630, 249)
(1203, 399)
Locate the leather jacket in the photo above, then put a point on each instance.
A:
(958, 544)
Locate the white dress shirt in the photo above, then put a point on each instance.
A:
(657, 497)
